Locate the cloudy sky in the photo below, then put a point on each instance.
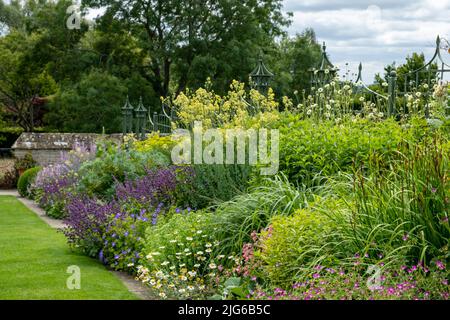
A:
(376, 32)
(373, 32)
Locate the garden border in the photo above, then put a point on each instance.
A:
(133, 286)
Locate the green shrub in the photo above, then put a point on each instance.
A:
(97, 177)
(292, 246)
(25, 181)
(308, 148)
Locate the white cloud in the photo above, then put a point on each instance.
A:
(373, 32)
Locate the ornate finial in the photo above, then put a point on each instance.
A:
(127, 105)
(324, 47)
(140, 107)
(360, 67)
(438, 41)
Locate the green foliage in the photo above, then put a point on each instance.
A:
(93, 105)
(181, 255)
(27, 162)
(21, 81)
(291, 61)
(25, 181)
(235, 220)
(220, 42)
(291, 246)
(413, 62)
(8, 136)
(308, 149)
(97, 177)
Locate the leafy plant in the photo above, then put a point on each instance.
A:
(27, 162)
(181, 257)
(309, 149)
(216, 111)
(26, 180)
(98, 177)
(292, 245)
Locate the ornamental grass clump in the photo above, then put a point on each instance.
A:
(236, 219)
(403, 211)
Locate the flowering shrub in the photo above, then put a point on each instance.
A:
(87, 221)
(123, 238)
(54, 183)
(99, 176)
(181, 256)
(231, 110)
(95, 225)
(402, 283)
(157, 185)
(156, 143)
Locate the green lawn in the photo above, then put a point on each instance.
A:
(34, 259)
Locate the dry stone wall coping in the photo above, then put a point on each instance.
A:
(59, 141)
(47, 148)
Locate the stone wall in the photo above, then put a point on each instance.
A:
(46, 148)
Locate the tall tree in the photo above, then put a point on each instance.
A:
(20, 88)
(182, 35)
(291, 60)
(406, 74)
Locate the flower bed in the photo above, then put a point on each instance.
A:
(358, 200)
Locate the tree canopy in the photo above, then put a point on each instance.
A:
(148, 48)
